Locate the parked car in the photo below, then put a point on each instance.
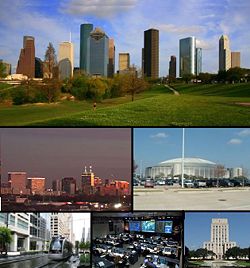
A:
(188, 184)
(200, 184)
(236, 183)
(225, 183)
(169, 182)
(149, 183)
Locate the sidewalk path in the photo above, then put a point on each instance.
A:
(173, 90)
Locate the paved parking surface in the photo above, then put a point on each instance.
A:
(163, 198)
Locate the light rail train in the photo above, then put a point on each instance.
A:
(60, 248)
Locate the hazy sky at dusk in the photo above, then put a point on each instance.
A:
(54, 153)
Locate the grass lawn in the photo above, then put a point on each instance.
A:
(198, 105)
(243, 263)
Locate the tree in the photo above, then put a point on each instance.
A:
(5, 239)
(51, 90)
(50, 60)
(132, 84)
(219, 172)
(188, 77)
(235, 74)
(233, 252)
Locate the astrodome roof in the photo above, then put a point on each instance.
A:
(187, 160)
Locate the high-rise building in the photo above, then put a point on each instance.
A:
(36, 185)
(61, 224)
(57, 185)
(219, 242)
(224, 53)
(88, 181)
(124, 62)
(26, 62)
(85, 31)
(7, 67)
(69, 185)
(18, 182)
(198, 65)
(98, 53)
(28, 231)
(111, 64)
(38, 68)
(235, 58)
(187, 56)
(66, 60)
(151, 53)
(172, 67)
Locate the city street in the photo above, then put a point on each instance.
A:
(167, 198)
(40, 261)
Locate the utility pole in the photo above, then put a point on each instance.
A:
(182, 159)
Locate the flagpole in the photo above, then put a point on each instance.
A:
(183, 155)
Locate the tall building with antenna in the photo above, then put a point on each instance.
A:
(88, 181)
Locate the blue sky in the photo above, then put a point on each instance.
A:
(125, 21)
(227, 146)
(197, 227)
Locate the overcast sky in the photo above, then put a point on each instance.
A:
(125, 21)
(227, 146)
(55, 153)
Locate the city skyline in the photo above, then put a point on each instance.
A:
(198, 227)
(107, 150)
(53, 22)
(223, 146)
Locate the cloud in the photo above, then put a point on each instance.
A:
(160, 135)
(171, 28)
(98, 8)
(235, 141)
(244, 133)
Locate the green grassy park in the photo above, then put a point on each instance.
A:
(197, 105)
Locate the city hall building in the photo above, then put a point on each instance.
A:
(192, 167)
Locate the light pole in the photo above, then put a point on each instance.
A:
(182, 159)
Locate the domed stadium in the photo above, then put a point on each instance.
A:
(192, 167)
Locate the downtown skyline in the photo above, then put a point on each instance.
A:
(54, 21)
(58, 153)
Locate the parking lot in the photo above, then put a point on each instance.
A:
(175, 198)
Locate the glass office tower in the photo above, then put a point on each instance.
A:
(187, 56)
(98, 53)
(198, 61)
(85, 31)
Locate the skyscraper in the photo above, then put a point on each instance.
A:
(124, 62)
(36, 185)
(18, 182)
(66, 60)
(69, 185)
(98, 53)
(26, 62)
(111, 64)
(219, 243)
(198, 65)
(88, 181)
(187, 56)
(224, 53)
(235, 59)
(172, 67)
(151, 53)
(85, 31)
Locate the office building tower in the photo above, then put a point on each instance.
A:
(142, 62)
(57, 185)
(111, 64)
(26, 62)
(66, 60)
(36, 185)
(38, 68)
(124, 62)
(198, 64)
(7, 67)
(187, 56)
(88, 181)
(172, 67)
(151, 53)
(219, 243)
(28, 231)
(61, 224)
(69, 186)
(85, 31)
(224, 54)
(18, 182)
(98, 53)
(235, 58)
